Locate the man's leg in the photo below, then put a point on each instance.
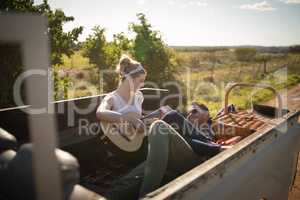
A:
(167, 150)
(157, 158)
(181, 156)
(200, 143)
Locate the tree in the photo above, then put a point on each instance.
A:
(194, 60)
(264, 58)
(105, 55)
(11, 67)
(120, 44)
(150, 50)
(212, 57)
(244, 55)
(61, 42)
(294, 49)
(94, 47)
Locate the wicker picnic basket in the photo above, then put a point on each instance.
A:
(241, 123)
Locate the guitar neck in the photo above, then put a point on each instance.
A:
(154, 114)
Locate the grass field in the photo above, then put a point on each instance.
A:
(212, 93)
(204, 74)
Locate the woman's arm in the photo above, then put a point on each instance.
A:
(105, 112)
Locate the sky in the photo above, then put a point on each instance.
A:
(192, 22)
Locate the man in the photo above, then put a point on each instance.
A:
(195, 129)
(198, 115)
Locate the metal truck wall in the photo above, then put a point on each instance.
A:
(260, 167)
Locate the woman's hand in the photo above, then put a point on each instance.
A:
(149, 121)
(134, 120)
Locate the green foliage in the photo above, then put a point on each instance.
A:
(294, 49)
(18, 5)
(81, 93)
(212, 94)
(120, 44)
(245, 54)
(263, 57)
(94, 48)
(150, 50)
(292, 79)
(76, 61)
(105, 55)
(61, 84)
(11, 67)
(147, 47)
(62, 43)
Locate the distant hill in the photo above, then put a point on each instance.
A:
(265, 49)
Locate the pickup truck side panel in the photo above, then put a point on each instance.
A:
(262, 166)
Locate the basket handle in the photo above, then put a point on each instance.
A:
(231, 86)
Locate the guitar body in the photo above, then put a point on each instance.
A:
(123, 135)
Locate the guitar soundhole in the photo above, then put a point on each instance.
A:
(125, 130)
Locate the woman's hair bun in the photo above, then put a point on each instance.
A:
(126, 64)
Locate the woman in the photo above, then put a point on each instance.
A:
(164, 142)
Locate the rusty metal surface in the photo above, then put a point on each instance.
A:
(260, 166)
(101, 180)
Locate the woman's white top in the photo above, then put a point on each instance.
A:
(119, 104)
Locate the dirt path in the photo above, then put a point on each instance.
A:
(291, 98)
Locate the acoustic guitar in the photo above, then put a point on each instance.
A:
(125, 136)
